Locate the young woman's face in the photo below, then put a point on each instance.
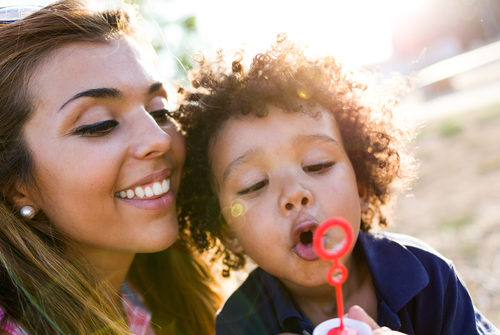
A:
(107, 162)
(277, 178)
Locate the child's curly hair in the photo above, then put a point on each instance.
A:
(284, 77)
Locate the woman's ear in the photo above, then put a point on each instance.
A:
(19, 195)
(364, 196)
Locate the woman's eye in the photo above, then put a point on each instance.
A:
(254, 187)
(321, 167)
(161, 116)
(100, 128)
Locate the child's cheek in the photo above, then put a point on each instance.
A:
(235, 213)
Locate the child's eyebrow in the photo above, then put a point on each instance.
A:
(314, 138)
(241, 159)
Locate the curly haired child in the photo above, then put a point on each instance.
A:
(275, 150)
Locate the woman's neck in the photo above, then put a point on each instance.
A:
(108, 265)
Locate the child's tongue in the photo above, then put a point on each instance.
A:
(305, 250)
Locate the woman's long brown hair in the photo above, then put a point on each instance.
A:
(41, 287)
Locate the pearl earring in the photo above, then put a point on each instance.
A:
(27, 212)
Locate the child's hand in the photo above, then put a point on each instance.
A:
(358, 313)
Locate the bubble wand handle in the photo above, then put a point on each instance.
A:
(340, 304)
(337, 274)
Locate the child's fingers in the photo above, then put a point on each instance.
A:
(386, 331)
(358, 313)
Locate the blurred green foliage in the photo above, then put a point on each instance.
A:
(457, 221)
(450, 127)
(184, 27)
(490, 114)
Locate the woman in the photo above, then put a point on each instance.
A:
(90, 166)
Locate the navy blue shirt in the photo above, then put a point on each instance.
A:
(418, 292)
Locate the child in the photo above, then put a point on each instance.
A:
(275, 150)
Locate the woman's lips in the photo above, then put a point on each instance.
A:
(149, 191)
(162, 202)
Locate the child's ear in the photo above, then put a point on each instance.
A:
(364, 196)
(228, 237)
(234, 245)
(230, 241)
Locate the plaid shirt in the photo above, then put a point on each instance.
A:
(138, 317)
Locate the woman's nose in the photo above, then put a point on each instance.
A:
(295, 197)
(151, 140)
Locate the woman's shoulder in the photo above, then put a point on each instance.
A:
(138, 316)
(9, 326)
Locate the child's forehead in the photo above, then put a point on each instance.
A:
(302, 110)
(312, 122)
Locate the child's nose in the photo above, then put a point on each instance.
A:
(295, 198)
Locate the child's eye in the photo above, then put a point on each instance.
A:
(321, 167)
(100, 128)
(161, 115)
(254, 187)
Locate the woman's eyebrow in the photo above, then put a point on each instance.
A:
(103, 92)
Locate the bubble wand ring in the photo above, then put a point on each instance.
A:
(343, 248)
(334, 277)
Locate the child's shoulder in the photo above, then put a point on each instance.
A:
(248, 293)
(409, 274)
(251, 292)
(255, 307)
(383, 241)
(400, 263)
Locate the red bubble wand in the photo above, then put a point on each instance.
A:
(337, 275)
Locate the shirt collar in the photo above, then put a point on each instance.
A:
(397, 274)
(288, 314)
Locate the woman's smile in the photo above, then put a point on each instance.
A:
(152, 195)
(102, 128)
(150, 187)
(146, 192)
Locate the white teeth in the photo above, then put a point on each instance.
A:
(139, 192)
(165, 185)
(157, 188)
(148, 191)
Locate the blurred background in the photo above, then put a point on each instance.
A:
(449, 50)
